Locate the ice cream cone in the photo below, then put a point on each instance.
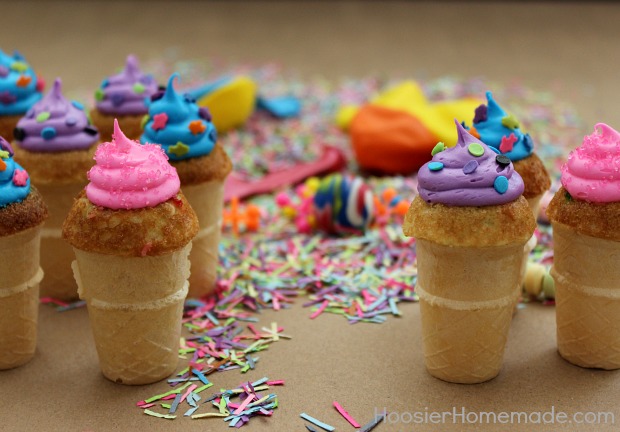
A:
(587, 279)
(136, 324)
(19, 296)
(57, 254)
(207, 200)
(534, 203)
(466, 314)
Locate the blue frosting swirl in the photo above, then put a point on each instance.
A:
(495, 126)
(14, 180)
(179, 125)
(18, 85)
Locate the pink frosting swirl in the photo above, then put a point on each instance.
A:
(592, 172)
(129, 175)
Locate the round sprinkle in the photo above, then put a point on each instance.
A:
(470, 167)
(475, 149)
(435, 166)
(502, 160)
(138, 88)
(19, 66)
(48, 133)
(41, 117)
(117, 99)
(99, 94)
(70, 121)
(4, 71)
(77, 105)
(439, 147)
(501, 184)
(105, 83)
(19, 133)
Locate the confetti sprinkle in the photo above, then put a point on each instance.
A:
(197, 127)
(507, 143)
(23, 81)
(435, 166)
(510, 122)
(41, 117)
(439, 147)
(475, 149)
(179, 149)
(159, 121)
(317, 422)
(20, 177)
(77, 105)
(346, 415)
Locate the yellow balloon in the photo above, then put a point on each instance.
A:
(232, 104)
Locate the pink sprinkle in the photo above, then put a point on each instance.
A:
(276, 303)
(275, 383)
(346, 415)
(159, 121)
(188, 391)
(244, 404)
(320, 310)
(146, 405)
(282, 199)
(20, 177)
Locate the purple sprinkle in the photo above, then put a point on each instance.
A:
(7, 98)
(481, 114)
(4, 71)
(204, 113)
(157, 95)
(6, 146)
(70, 121)
(146, 79)
(117, 99)
(30, 113)
(470, 167)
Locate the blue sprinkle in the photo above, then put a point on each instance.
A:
(70, 121)
(470, 167)
(77, 105)
(105, 83)
(501, 184)
(213, 135)
(48, 133)
(435, 166)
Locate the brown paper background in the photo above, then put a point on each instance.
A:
(570, 49)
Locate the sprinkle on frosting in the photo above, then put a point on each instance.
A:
(55, 124)
(179, 125)
(128, 175)
(501, 131)
(592, 172)
(125, 93)
(19, 87)
(469, 175)
(14, 180)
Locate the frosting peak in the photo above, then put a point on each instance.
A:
(502, 131)
(468, 174)
(14, 180)
(126, 93)
(128, 175)
(179, 125)
(19, 86)
(592, 172)
(55, 124)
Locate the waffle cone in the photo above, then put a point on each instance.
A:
(467, 296)
(587, 281)
(135, 306)
(19, 296)
(56, 253)
(207, 200)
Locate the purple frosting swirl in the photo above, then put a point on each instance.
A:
(469, 174)
(127, 92)
(55, 124)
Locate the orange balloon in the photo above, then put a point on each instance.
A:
(389, 141)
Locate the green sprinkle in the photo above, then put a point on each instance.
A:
(510, 122)
(99, 94)
(19, 66)
(439, 147)
(568, 196)
(476, 149)
(43, 116)
(138, 88)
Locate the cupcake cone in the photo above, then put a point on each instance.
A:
(207, 200)
(131, 230)
(454, 320)
(19, 296)
(136, 324)
(587, 280)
